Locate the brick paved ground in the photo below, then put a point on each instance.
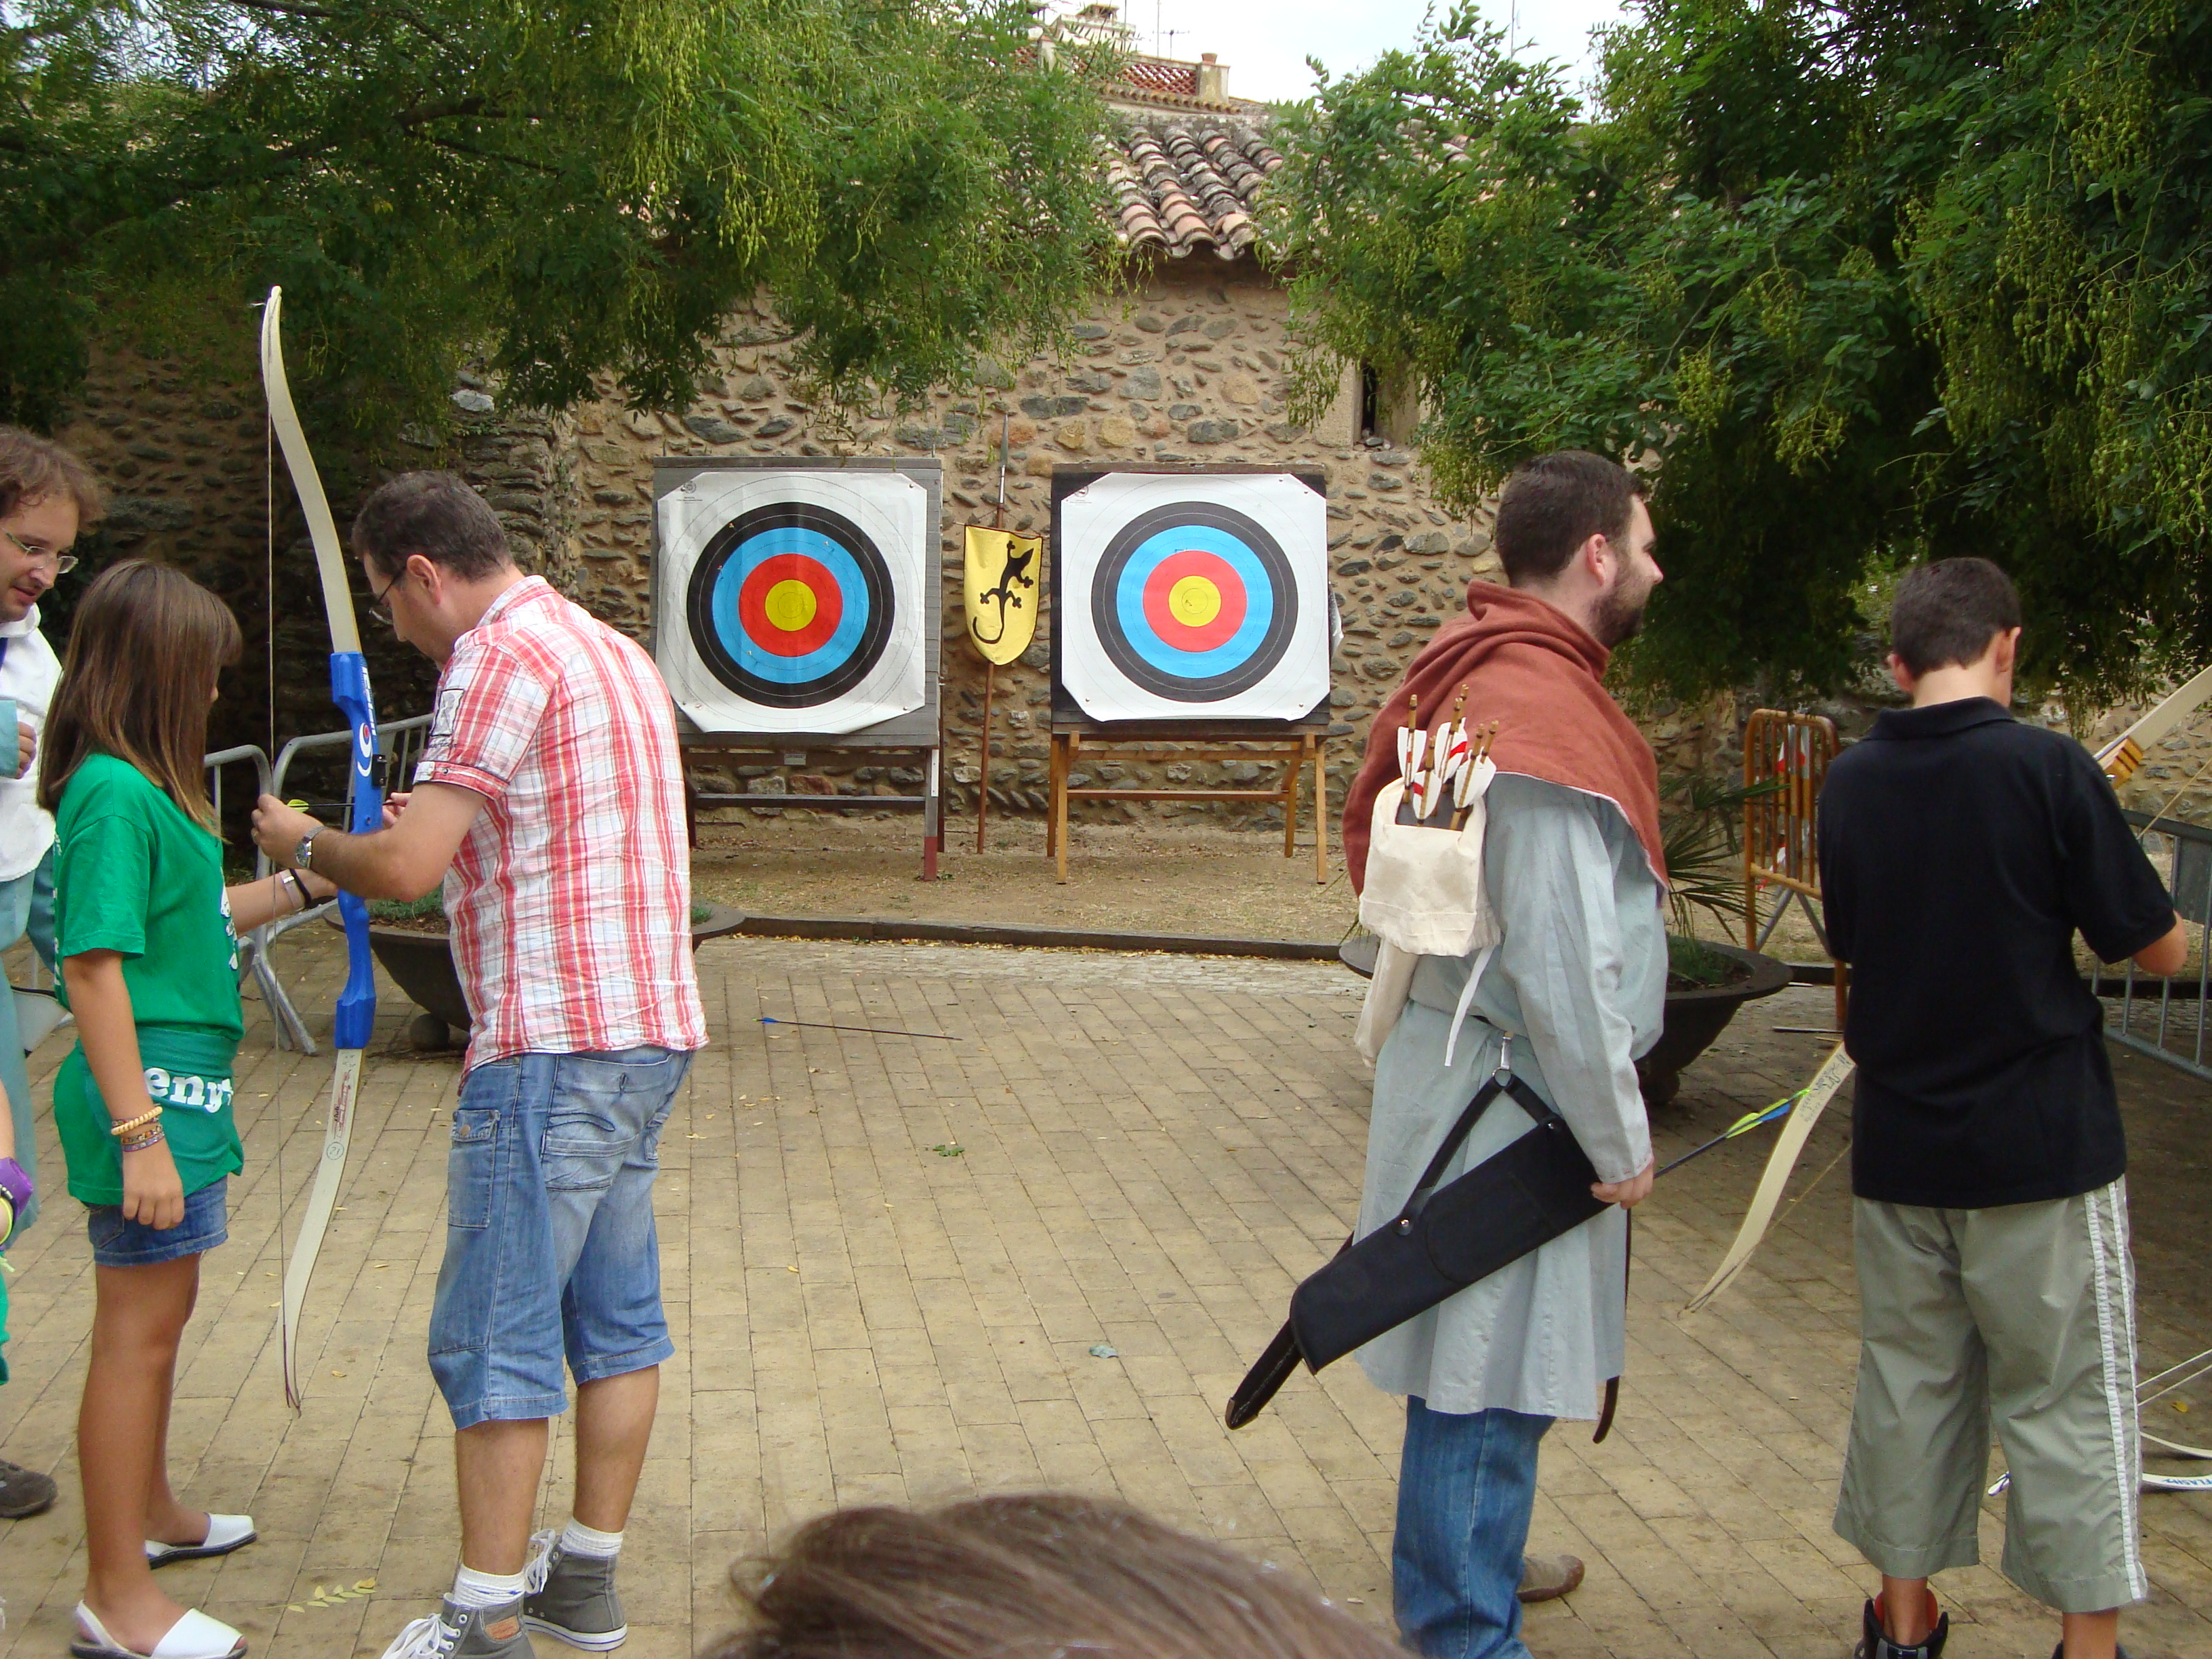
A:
(890, 1264)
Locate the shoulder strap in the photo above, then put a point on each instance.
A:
(1502, 1082)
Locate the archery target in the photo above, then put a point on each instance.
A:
(796, 599)
(1195, 596)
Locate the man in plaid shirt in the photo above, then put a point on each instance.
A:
(550, 800)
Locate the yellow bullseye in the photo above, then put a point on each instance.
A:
(790, 605)
(1193, 601)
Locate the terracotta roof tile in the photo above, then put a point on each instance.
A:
(1189, 184)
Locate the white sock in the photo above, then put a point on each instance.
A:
(473, 1589)
(577, 1539)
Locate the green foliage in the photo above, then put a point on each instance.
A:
(578, 189)
(1866, 282)
(1694, 965)
(431, 907)
(1701, 824)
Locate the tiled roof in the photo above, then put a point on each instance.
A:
(1188, 186)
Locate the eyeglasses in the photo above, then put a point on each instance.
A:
(62, 563)
(380, 601)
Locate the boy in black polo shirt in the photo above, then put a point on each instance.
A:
(1959, 853)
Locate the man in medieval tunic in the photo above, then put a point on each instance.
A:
(1572, 995)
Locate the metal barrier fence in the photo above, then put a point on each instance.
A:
(2165, 1017)
(401, 740)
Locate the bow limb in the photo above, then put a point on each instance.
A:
(1788, 1147)
(2124, 754)
(357, 1005)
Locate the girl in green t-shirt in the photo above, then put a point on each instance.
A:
(148, 937)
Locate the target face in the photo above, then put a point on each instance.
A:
(1195, 595)
(790, 605)
(792, 599)
(1195, 601)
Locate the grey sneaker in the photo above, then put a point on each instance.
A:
(571, 1598)
(459, 1632)
(23, 1493)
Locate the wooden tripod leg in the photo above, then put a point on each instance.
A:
(1294, 764)
(1320, 810)
(1065, 748)
(1051, 794)
(984, 789)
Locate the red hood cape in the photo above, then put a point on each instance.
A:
(1529, 667)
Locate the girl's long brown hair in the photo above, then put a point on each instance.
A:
(144, 648)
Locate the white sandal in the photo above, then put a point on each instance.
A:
(225, 1532)
(195, 1636)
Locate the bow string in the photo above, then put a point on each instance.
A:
(355, 1014)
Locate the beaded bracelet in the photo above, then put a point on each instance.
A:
(138, 1122)
(151, 1137)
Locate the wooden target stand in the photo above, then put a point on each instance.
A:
(919, 735)
(1293, 745)
(1780, 827)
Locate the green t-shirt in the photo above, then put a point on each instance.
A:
(133, 874)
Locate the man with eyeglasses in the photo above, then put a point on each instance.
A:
(47, 496)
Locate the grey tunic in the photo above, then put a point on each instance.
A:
(1582, 973)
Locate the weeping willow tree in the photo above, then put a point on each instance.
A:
(570, 188)
(1867, 283)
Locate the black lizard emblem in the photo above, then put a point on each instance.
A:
(1015, 575)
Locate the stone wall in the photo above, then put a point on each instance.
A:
(186, 463)
(1190, 367)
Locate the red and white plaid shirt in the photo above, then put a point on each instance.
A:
(570, 900)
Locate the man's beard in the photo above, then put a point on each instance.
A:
(1618, 613)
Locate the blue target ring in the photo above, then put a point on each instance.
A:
(790, 605)
(1205, 554)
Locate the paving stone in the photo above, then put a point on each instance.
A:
(1153, 1150)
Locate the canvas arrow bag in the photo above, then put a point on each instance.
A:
(1425, 898)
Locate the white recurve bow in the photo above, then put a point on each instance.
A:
(357, 1004)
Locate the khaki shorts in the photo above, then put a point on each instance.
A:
(2023, 1314)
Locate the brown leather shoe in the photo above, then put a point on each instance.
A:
(23, 1493)
(1547, 1577)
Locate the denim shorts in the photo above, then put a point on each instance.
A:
(550, 1248)
(117, 1243)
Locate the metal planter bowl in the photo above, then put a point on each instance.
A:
(1692, 1021)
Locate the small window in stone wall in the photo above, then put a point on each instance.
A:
(1388, 413)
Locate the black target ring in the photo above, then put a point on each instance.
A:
(871, 594)
(1258, 663)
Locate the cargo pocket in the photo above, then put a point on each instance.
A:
(472, 1167)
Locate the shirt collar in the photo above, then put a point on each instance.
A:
(1939, 720)
(523, 593)
(16, 630)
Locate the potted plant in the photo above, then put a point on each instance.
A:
(411, 942)
(1707, 980)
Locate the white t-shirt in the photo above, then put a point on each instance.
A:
(28, 673)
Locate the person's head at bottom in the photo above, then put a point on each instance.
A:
(1045, 1575)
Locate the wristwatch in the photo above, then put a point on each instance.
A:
(303, 855)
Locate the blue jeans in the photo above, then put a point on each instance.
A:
(1467, 1486)
(117, 1243)
(27, 902)
(550, 1248)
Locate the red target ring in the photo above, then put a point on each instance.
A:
(790, 605)
(1195, 600)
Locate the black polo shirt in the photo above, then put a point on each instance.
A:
(1959, 853)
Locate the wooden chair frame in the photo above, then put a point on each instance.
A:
(1781, 828)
